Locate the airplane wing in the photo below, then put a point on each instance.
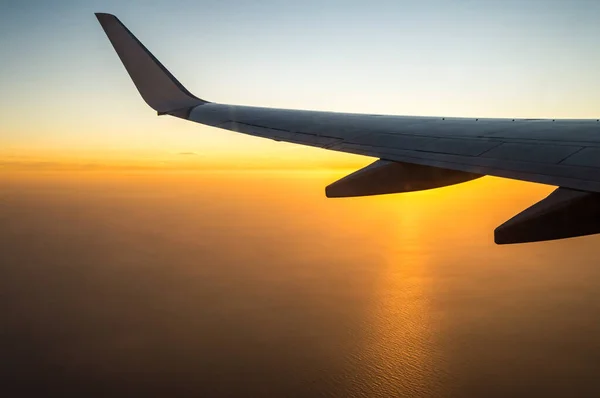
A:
(414, 152)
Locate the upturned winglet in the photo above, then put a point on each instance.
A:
(157, 86)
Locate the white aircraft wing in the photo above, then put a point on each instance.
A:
(414, 152)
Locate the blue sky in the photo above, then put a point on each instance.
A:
(63, 88)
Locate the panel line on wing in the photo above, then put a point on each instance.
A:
(572, 154)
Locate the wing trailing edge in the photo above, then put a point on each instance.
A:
(384, 177)
(157, 86)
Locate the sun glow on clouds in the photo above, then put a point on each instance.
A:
(286, 157)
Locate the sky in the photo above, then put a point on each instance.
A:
(65, 98)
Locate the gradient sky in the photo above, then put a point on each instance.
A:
(65, 94)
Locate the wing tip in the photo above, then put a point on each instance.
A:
(157, 86)
(102, 16)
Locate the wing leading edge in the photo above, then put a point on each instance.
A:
(415, 152)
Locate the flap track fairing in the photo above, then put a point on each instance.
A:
(565, 213)
(384, 177)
